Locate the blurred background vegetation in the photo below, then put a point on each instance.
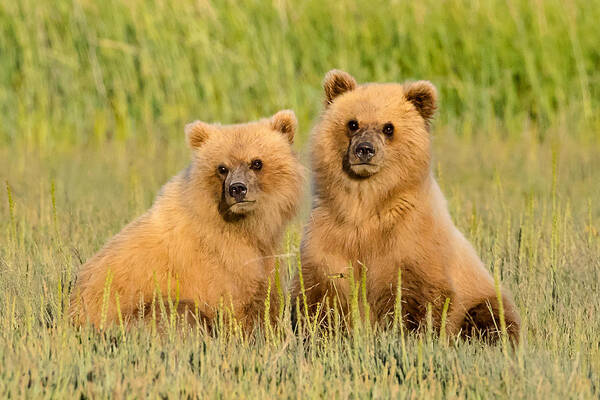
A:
(90, 71)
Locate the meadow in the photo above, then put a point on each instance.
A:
(93, 100)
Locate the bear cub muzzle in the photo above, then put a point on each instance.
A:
(366, 149)
(240, 190)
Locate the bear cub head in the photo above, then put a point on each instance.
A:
(376, 132)
(246, 169)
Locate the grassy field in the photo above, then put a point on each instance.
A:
(93, 99)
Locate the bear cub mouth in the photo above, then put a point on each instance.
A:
(359, 170)
(242, 207)
(237, 210)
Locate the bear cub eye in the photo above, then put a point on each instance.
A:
(256, 165)
(388, 129)
(222, 169)
(353, 125)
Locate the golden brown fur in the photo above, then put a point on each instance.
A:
(196, 243)
(388, 213)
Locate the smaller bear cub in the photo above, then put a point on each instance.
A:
(211, 236)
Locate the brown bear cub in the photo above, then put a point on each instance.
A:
(378, 207)
(211, 237)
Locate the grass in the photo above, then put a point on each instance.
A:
(93, 98)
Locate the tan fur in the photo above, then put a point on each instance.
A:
(186, 246)
(390, 216)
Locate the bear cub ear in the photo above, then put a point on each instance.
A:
(196, 133)
(423, 95)
(337, 82)
(285, 122)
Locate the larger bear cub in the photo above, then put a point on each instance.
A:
(210, 238)
(377, 209)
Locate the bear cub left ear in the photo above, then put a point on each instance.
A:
(285, 122)
(423, 95)
(196, 133)
(337, 82)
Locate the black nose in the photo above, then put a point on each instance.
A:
(364, 151)
(238, 191)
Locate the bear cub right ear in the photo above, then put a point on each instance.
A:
(337, 82)
(196, 133)
(423, 95)
(285, 122)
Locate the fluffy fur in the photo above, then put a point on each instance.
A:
(198, 243)
(389, 213)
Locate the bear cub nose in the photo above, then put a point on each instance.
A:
(364, 151)
(238, 191)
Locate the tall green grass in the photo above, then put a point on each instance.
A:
(88, 71)
(93, 98)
